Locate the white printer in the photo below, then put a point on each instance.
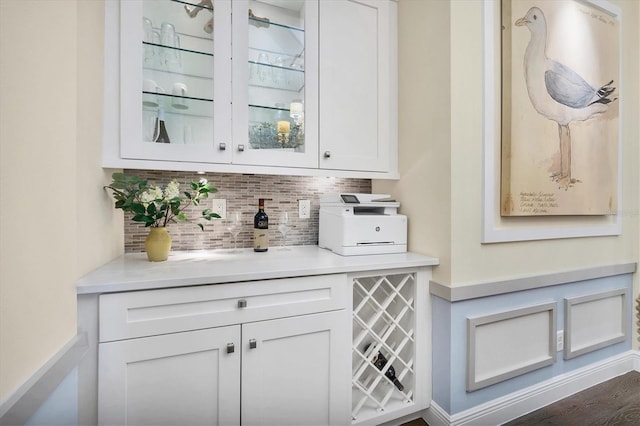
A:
(355, 224)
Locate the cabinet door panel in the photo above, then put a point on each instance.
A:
(184, 378)
(298, 373)
(275, 86)
(354, 85)
(168, 63)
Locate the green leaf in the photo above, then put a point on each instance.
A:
(188, 195)
(137, 208)
(139, 218)
(117, 185)
(201, 227)
(151, 209)
(181, 216)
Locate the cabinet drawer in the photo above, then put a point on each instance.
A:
(152, 312)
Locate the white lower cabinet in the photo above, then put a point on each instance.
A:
(293, 370)
(298, 373)
(175, 379)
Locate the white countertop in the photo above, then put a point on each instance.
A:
(183, 268)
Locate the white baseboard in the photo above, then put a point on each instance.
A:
(519, 403)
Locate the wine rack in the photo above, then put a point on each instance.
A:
(383, 321)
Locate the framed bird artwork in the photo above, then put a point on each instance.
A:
(560, 105)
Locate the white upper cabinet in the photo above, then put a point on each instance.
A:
(302, 87)
(173, 70)
(275, 84)
(357, 85)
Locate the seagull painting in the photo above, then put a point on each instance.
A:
(559, 93)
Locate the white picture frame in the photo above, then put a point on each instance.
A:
(504, 229)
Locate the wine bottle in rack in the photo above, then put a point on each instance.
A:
(380, 361)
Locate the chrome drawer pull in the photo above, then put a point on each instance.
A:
(231, 348)
(242, 303)
(252, 343)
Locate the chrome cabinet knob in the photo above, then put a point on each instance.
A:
(240, 147)
(242, 303)
(222, 146)
(231, 348)
(327, 154)
(252, 343)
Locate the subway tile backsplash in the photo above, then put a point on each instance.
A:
(242, 192)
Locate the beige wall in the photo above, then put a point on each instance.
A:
(474, 261)
(56, 223)
(424, 131)
(441, 151)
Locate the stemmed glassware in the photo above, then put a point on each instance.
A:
(234, 226)
(284, 227)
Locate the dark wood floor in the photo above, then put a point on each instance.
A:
(612, 403)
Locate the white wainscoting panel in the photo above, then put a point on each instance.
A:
(507, 344)
(595, 321)
(521, 402)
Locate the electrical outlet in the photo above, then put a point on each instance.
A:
(560, 340)
(220, 207)
(304, 209)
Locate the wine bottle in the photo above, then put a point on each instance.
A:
(380, 361)
(163, 136)
(261, 229)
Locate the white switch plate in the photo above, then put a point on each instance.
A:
(304, 209)
(220, 207)
(560, 340)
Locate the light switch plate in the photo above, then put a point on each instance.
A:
(304, 209)
(560, 340)
(220, 207)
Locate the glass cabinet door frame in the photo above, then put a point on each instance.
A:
(242, 152)
(132, 145)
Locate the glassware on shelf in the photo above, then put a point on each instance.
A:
(262, 135)
(150, 125)
(179, 93)
(167, 34)
(263, 68)
(150, 90)
(296, 112)
(234, 226)
(278, 72)
(147, 37)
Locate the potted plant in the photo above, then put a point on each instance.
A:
(157, 207)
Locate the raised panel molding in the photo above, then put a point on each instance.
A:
(595, 321)
(529, 344)
(516, 404)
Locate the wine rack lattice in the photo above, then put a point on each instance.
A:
(383, 323)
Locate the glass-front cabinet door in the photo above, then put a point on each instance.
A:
(176, 80)
(275, 89)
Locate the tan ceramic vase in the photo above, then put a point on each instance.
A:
(157, 244)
